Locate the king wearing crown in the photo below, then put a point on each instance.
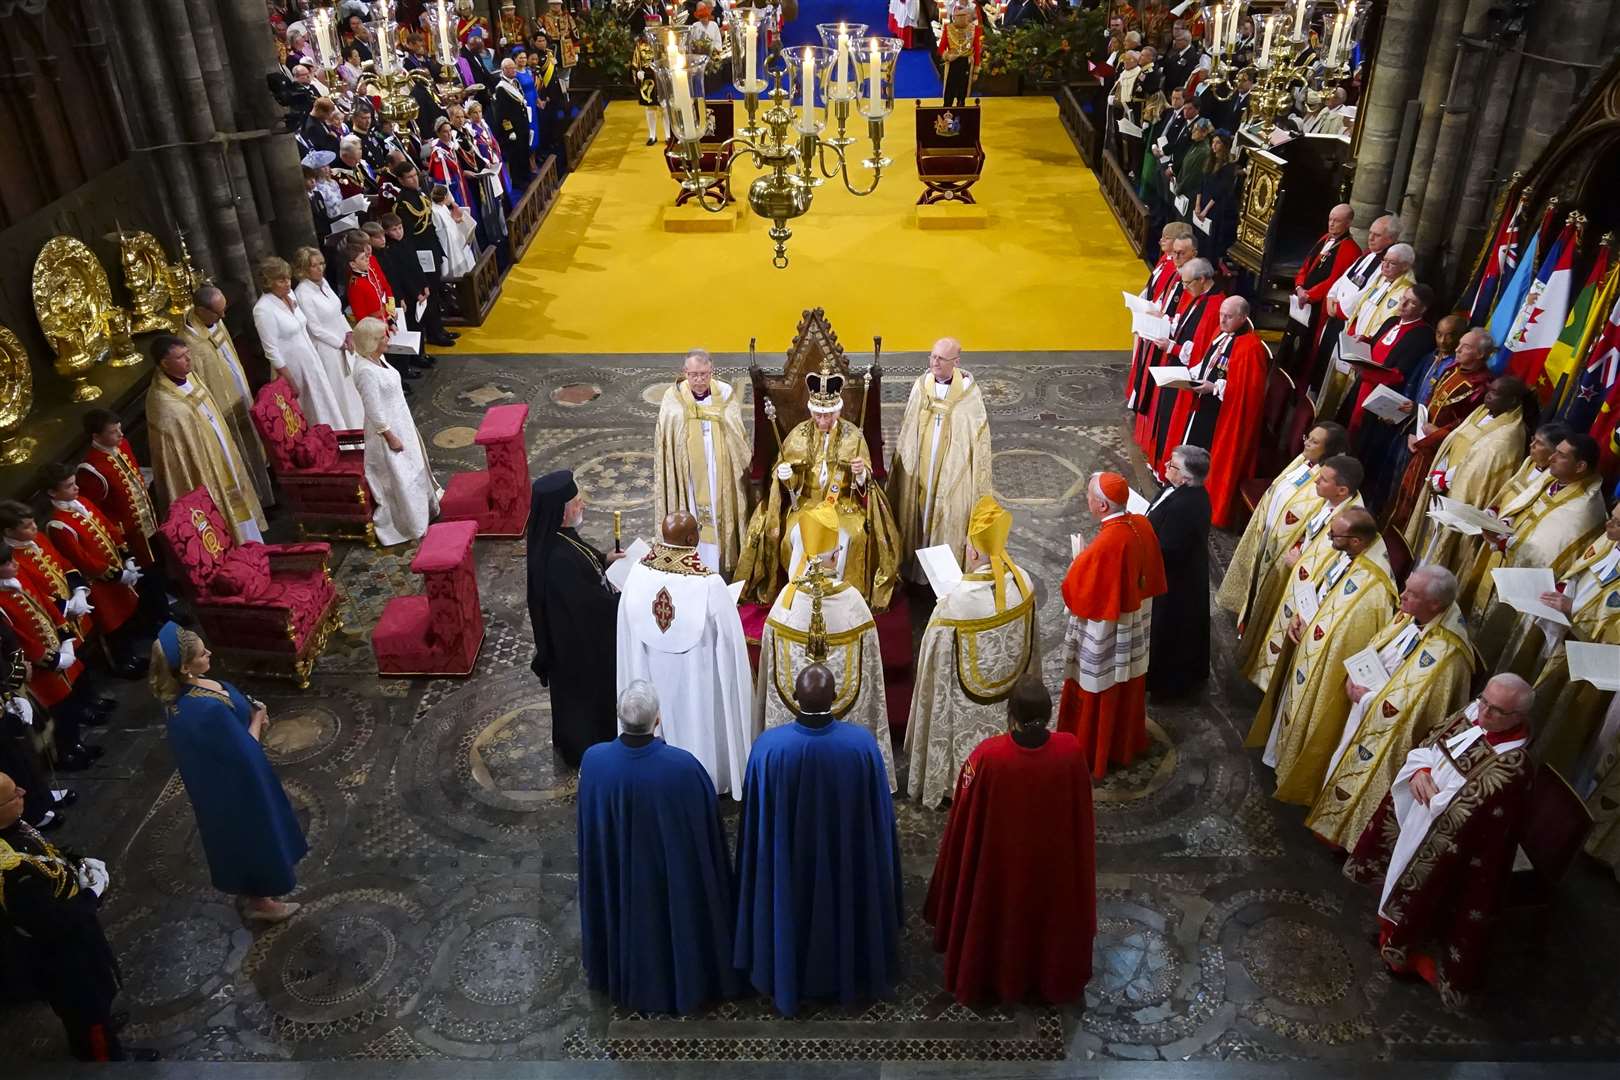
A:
(824, 460)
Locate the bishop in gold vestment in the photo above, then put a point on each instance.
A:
(1474, 462)
(217, 365)
(701, 461)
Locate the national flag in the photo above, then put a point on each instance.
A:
(1558, 376)
(1601, 372)
(1500, 259)
(1606, 430)
(1511, 297)
(1541, 313)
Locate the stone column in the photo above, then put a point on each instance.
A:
(1396, 76)
(1455, 117)
(1569, 33)
(1438, 69)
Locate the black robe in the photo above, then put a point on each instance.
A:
(1179, 659)
(574, 613)
(1201, 428)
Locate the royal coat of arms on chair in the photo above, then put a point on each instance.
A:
(950, 158)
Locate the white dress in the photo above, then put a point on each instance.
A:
(323, 313)
(454, 238)
(402, 484)
(284, 336)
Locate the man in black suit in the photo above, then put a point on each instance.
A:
(1228, 114)
(1178, 662)
(1182, 60)
(415, 232)
(512, 125)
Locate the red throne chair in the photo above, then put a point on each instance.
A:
(496, 498)
(266, 607)
(719, 125)
(439, 631)
(322, 472)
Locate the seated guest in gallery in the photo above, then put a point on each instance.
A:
(1014, 909)
(249, 832)
(574, 612)
(403, 490)
(655, 889)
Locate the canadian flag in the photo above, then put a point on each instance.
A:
(1542, 314)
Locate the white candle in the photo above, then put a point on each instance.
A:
(1219, 27)
(750, 53)
(1232, 24)
(807, 96)
(445, 52)
(1349, 18)
(681, 92)
(841, 66)
(1333, 41)
(875, 86)
(1270, 22)
(1299, 21)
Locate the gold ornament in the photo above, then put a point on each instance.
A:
(183, 280)
(120, 342)
(146, 276)
(16, 398)
(71, 301)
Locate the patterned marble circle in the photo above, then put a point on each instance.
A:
(456, 437)
(503, 961)
(1297, 961)
(1132, 963)
(617, 480)
(333, 961)
(576, 394)
(168, 962)
(306, 730)
(999, 393)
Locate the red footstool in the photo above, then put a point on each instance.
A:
(439, 631)
(497, 498)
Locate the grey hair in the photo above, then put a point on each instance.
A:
(1197, 269)
(1487, 343)
(206, 294)
(1194, 463)
(349, 142)
(1437, 583)
(1392, 225)
(1402, 253)
(699, 354)
(638, 708)
(370, 334)
(1522, 691)
(1240, 305)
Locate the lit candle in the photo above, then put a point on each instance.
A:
(1218, 27)
(841, 68)
(1349, 18)
(445, 52)
(1232, 24)
(1270, 24)
(681, 92)
(807, 97)
(875, 86)
(750, 51)
(1299, 21)
(1333, 41)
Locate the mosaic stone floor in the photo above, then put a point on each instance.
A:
(439, 913)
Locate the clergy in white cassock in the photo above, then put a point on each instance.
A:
(679, 630)
(701, 459)
(850, 635)
(980, 639)
(941, 464)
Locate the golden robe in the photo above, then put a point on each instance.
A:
(1603, 842)
(969, 658)
(1276, 522)
(1510, 506)
(217, 364)
(1373, 306)
(701, 454)
(188, 453)
(852, 656)
(1552, 533)
(821, 469)
(941, 464)
(1301, 720)
(1425, 687)
(1480, 454)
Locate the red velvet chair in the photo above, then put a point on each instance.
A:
(496, 498)
(322, 472)
(440, 631)
(267, 607)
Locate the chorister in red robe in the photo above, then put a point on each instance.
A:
(1164, 283)
(1196, 323)
(1235, 446)
(1108, 591)
(1014, 907)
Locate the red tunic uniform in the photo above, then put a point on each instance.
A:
(1014, 910)
(38, 629)
(112, 480)
(51, 577)
(94, 544)
(370, 295)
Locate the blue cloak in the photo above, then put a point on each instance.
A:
(655, 889)
(249, 832)
(819, 909)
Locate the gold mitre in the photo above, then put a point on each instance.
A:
(826, 388)
(818, 536)
(988, 529)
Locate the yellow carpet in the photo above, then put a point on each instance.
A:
(604, 277)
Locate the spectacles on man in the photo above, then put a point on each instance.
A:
(1493, 709)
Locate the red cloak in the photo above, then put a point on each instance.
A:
(1206, 310)
(1160, 282)
(1318, 274)
(1236, 445)
(1014, 909)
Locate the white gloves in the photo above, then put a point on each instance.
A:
(64, 658)
(22, 709)
(79, 604)
(784, 472)
(130, 575)
(93, 875)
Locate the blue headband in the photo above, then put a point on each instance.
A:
(169, 639)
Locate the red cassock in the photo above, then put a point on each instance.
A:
(1138, 387)
(1105, 698)
(370, 295)
(1324, 265)
(34, 619)
(1392, 346)
(94, 545)
(1014, 907)
(1198, 320)
(1236, 444)
(112, 480)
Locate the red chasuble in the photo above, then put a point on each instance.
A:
(1106, 658)
(1013, 900)
(1317, 274)
(1390, 344)
(1236, 445)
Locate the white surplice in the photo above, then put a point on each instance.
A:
(680, 631)
(455, 237)
(323, 314)
(284, 336)
(402, 485)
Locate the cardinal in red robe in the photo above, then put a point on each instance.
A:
(1014, 909)
(1109, 592)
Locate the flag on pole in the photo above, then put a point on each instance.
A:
(1558, 376)
(1601, 372)
(1606, 430)
(1541, 313)
(1500, 259)
(1511, 298)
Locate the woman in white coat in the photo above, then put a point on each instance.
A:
(402, 484)
(284, 335)
(323, 311)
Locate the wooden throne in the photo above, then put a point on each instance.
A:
(863, 396)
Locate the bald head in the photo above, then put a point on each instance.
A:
(815, 689)
(1340, 218)
(943, 358)
(680, 529)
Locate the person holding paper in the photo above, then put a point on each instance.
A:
(980, 638)
(413, 211)
(1475, 460)
(1457, 392)
(1552, 532)
(941, 466)
(851, 638)
(1164, 290)
(1379, 302)
(1345, 290)
(1178, 660)
(1215, 199)
(1383, 443)
(1441, 844)
(573, 611)
(701, 455)
(679, 630)
(216, 366)
(1301, 719)
(403, 492)
(1222, 410)
(1109, 593)
(1510, 503)
(1429, 663)
(1196, 322)
(1397, 346)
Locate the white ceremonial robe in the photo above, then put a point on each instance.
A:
(1414, 818)
(284, 336)
(323, 315)
(855, 662)
(680, 631)
(247, 530)
(455, 237)
(402, 485)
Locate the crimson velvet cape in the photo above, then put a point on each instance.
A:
(1013, 900)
